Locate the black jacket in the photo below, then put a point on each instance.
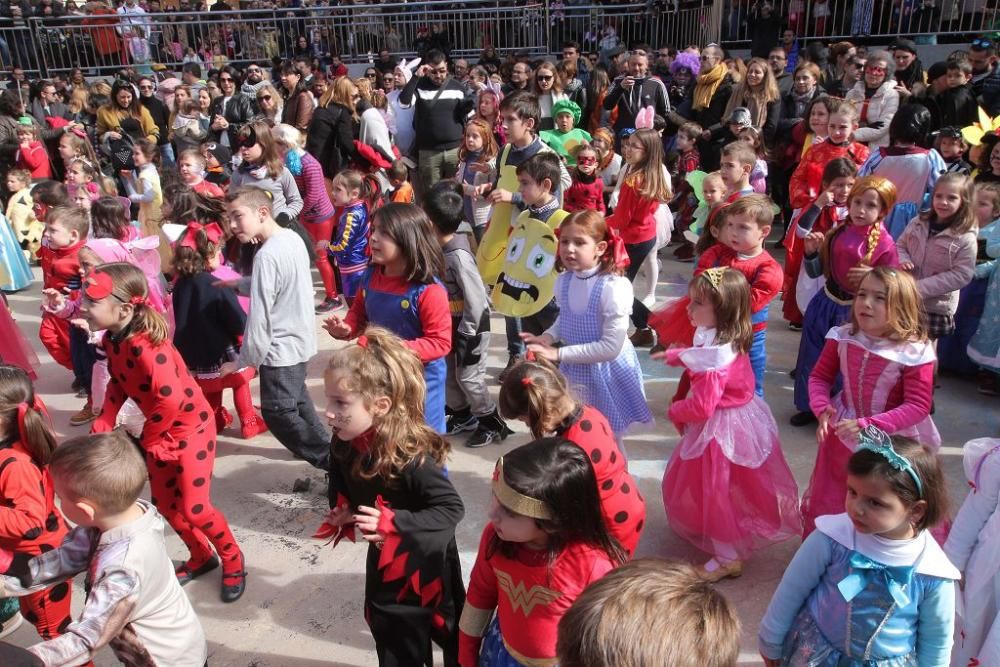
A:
(209, 320)
(238, 112)
(331, 138)
(649, 91)
(161, 116)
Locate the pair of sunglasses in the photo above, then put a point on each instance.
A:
(247, 140)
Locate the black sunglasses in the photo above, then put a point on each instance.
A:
(543, 78)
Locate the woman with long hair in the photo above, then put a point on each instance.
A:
(331, 131)
(298, 108)
(548, 86)
(373, 131)
(758, 92)
(270, 104)
(123, 115)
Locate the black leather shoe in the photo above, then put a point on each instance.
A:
(233, 591)
(185, 574)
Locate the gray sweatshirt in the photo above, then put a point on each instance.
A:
(281, 324)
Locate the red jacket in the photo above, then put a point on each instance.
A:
(29, 519)
(35, 159)
(585, 196)
(807, 179)
(61, 267)
(635, 216)
(762, 272)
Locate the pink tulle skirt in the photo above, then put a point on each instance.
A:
(14, 347)
(727, 509)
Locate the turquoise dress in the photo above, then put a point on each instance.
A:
(984, 348)
(15, 273)
(854, 600)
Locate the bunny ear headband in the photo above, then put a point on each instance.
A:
(494, 88)
(644, 119)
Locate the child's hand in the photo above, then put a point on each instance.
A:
(228, 368)
(824, 424)
(544, 352)
(825, 199)
(812, 242)
(483, 190)
(478, 167)
(336, 327)
(114, 136)
(53, 299)
(856, 274)
(501, 196)
(366, 521)
(848, 430)
(544, 339)
(906, 266)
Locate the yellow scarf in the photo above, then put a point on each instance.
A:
(706, 86)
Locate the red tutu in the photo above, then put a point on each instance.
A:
(14, 347)
(729, 510)
(672, 324)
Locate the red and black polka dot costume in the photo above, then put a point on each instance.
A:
(31, 523)
(622, 505)
(178, 439)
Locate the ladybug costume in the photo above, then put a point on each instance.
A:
(30, 523)
(178, 439)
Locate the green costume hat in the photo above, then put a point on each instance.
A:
(567, 106)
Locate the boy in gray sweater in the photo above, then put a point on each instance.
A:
(280, 336)
(468, 400)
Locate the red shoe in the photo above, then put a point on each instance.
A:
(252, 427)
(222, 419)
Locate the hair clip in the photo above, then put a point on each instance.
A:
(516, 501)
(714, 276)
(527, 382)
(876, 440)
(363, 341)
(138, 300)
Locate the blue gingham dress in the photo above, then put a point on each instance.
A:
(613, 387)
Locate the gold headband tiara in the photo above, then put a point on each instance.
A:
(714, 276)
(516, 501)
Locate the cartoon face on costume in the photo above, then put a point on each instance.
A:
(527, 281)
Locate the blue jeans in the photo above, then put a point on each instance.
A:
(514, 345)
(84, 355)
(289, 412)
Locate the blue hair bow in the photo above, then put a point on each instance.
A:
(864, 569)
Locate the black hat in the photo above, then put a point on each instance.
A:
(220, 153)
(950, 132)
(903, 44)
(936, 71)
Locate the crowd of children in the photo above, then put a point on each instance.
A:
(163, 288)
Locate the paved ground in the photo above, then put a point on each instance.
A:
(303, 602)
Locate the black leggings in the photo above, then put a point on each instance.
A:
(637, 253)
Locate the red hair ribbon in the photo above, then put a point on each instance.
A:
(190, 238)
(138, 300)
(98, 285)
(527, 382)
(617, 248)
(22, 411)
(78, 132)
(363, 341)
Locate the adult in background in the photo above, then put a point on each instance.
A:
(634, 91)
(765, 27)
(549, 90)
(758, 92)
(441, 106)
(386, 63)
(55, 119)
(841, 55)
(909, 71)
(298, 105)
(405, 135)
(853, 71)
(373, 131)
(331, 132)
(520, 79)
(11, 109)
(796, 103)
(876, 99)
(777, 60)
(252, 83)
(229, 111)
(571, 56)
(160, 114)
(985, 74)
(124, 115)
(712, 90)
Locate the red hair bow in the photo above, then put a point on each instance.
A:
(190, 238)
(617, 248)
(22, 410)
(363, 342)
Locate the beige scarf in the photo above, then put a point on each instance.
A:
(706, 86)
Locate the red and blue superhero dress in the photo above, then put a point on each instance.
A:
(31, 523)
(413, 581)
(60, 271)
(178, 440)
(349, 246)
(417, 313)
(622, 505)
(765, 277)
(529, 593)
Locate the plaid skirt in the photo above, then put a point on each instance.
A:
(939, 326)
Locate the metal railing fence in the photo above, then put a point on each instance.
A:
(102, 44)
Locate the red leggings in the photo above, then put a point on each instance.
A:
(49, 610)
(239, 382)
(54, 334)
(320, 233)
(180, 491)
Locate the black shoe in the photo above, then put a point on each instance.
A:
(461, 422)
(77, 385)
(186, 575)
(491, 429)
(234, 590)
(802, 418)
(511, 361)
(331, 303)
(795, 326)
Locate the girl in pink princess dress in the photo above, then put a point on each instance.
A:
(887, 364)
(727, 488)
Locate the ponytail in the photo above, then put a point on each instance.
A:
(25, 413)
(535, 391)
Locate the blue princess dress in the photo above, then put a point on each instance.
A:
(15, 272)
(850, 599)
